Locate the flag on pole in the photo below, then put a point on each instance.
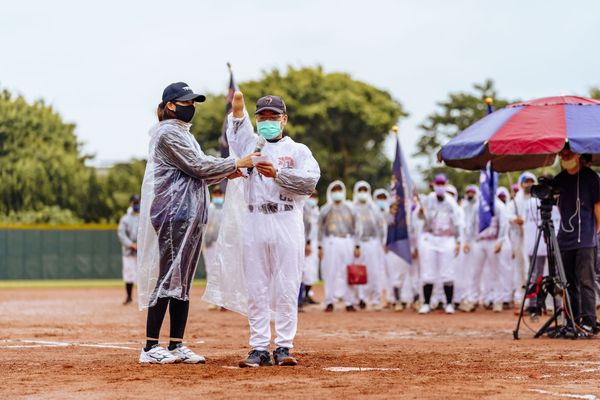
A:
(232, 88)
(398, 240)
(488, 182)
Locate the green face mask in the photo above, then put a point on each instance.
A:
(269, 129)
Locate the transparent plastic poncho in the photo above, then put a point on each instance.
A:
(173, 213)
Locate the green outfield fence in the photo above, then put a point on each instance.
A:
(90, 251)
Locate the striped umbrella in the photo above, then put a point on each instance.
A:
(527, 135)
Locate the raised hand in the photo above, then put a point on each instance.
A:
(267, 169)
(246, 161)
(237, 105)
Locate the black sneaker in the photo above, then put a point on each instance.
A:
(362, 305)
(282, 357)
(257, 358)
(350, 309)
(329, 308)
(311, 301)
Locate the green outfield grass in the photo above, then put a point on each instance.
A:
(69, 283)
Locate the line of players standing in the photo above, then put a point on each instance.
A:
(455, 265)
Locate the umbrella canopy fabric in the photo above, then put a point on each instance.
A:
(527, 135)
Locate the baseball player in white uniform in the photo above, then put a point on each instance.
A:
(127, 232)
(370, 232)
(284, 175)
(470, 208)
(488, 248)
(337, 246)
(439, 244)
(310, 275)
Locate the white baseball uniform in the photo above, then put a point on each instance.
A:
(273, 231)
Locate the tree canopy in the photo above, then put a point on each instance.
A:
(343, 121)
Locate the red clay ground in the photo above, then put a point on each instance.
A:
(55, 344)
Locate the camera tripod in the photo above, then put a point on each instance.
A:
(555, 283)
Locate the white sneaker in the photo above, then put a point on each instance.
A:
(377, 307)
(398, 306)
(425, 309)
(187, 356)
(157, 355)
(449, 308)
(497, 307)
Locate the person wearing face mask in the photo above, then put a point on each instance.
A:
(213, 225)
(310, 274)
(127, 233)
(273, 251)
(488, 250)
(470, 209)
(396, 270)
(440, 243)
(523, 212)
(371, 235)
(173, 216)
(337, 246)
(505, 258)
(579, 207)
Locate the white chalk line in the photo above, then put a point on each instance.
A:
(358, 369)
(568, 395)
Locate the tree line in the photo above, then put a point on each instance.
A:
(44, 177)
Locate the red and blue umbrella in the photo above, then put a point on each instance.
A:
(527, 135)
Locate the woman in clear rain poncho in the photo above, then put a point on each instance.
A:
(172, 219)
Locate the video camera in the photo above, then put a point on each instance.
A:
(544, 191)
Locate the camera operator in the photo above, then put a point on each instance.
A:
(579, 206)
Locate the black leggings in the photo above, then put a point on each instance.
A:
(178, 313)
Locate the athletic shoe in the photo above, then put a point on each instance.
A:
(311, 301)
(213, 307)
(416, 305)
(377, 307)
(425, 309)
(127, 301)
(350, 309)
(329, 308)
(466, 306)
(257, 358)
(187, 356)
(362, 305)
(399, 306)
(449, 309)
(282, 357)
(157, 355)
(497, 307)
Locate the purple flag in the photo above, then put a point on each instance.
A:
(488, 181)
(397, 236)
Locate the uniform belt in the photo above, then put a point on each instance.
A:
(270, 208)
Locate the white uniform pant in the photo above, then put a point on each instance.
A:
(310, 274)
(129, 268)
(209, 254)
(372, 256)
(461, 277)
(437, 259)
(338, 253)
(487, 272)
(273, 259)
(396, 276)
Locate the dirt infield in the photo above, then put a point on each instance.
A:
(82, 343)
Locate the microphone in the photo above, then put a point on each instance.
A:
(259, 146)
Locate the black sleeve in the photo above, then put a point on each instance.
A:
(594, 187)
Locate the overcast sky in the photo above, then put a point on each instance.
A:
(103, 64)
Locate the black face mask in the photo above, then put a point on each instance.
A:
(184, 113)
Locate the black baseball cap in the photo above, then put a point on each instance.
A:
(272, 103)
(180, 91)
